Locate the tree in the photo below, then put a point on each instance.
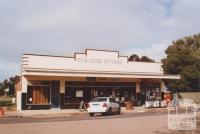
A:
(9, 84)
(146, 59)
(12, 82)
(135, 57)
(2, 92)
(183, 57)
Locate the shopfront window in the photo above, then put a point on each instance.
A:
(72, 95)
(123, 94)
(75, 92)
(38, 92)
(153, 94)
(152, 90)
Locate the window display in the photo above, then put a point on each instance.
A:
(38, 92)
(75, 92)
(153, 94)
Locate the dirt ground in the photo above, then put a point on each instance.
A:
(132, 125)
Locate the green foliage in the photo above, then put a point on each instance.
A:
(9, 84)
(146, 59)
(135, 57)
(5, 102)
(183, 57)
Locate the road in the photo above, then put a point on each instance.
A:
(118, 124)
(8, 120)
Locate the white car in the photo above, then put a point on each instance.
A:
(104, 105)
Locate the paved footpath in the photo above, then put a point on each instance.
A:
(69, 112)
(73, 117)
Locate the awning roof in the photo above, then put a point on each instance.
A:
(77, 73)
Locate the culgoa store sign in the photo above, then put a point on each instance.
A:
(99, 61)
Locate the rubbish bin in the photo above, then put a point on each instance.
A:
(1, 112)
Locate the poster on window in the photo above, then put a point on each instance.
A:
(79, 93)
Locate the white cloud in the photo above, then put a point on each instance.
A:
(155, 51)
(64, 26)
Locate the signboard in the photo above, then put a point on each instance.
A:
(6, 90)
(99, 61)
(79, 93)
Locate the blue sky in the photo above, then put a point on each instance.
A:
(61, 27)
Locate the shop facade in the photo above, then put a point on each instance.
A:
(49, 82)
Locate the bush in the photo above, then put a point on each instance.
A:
(6, 101)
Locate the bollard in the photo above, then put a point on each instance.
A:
(1, 112)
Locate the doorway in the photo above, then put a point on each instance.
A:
(55, 94)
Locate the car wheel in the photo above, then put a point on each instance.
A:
(119, 111)
(91, 114)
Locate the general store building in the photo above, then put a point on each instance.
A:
(49, 82)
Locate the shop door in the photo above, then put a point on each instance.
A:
(142, 98)
(55, 95)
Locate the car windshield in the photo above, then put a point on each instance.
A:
(99, 100)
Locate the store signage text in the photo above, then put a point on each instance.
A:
(99, 61)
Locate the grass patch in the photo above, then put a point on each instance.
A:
(5, 102)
